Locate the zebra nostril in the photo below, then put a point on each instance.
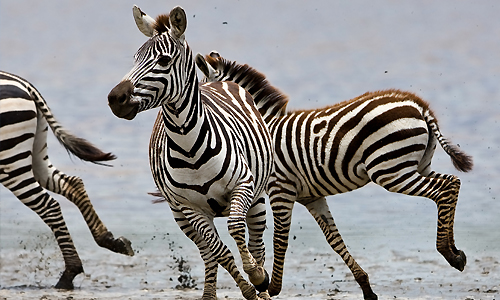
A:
(122, 99)
(120, 94)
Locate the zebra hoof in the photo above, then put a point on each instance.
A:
(372, 296)
(66, 280)
(262, 287)
(123, 246)
(120, 245)
(459, 261)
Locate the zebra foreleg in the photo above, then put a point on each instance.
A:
(256, 222)
(318, 208)
(205, 228)
(210, 285)
(240, 204)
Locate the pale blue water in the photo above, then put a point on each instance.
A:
(319, 53)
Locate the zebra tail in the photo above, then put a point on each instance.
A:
(79, 147)
(461, 161)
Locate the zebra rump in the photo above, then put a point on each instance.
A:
(26, 171)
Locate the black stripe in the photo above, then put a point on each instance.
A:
(11, 143)
(17, 116)
(12, 91)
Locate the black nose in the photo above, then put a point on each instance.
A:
(120, 102)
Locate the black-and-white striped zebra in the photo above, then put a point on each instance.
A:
(26, 171)
(387, 137)
(210, 151)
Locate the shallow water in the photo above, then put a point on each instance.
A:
(320, 53)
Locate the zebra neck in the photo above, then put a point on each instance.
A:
(184, 120)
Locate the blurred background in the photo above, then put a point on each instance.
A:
(317, 52)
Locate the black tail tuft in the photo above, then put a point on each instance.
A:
(84, 150)
(460, 160)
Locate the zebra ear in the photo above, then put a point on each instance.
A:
(178, 22)
(144, 22)
(214, 54)
(202, 65)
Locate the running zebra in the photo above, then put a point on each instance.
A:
(210, 151)
(26, 171)
(387, 137)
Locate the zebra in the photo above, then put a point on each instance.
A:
(387, 137)
(25, 169)
(210, 151)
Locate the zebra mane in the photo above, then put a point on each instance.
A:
(270, 101)
(162, 23)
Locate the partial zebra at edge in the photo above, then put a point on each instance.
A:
(25, 169)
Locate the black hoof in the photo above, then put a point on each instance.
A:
(460, 261)
(371, 297)
(264, 285)
(120, 245)
(66, 280)
(64, 284)
(123, 246)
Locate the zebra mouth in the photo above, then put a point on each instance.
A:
(120, 101)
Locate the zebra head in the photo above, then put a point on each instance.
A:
(163, 67)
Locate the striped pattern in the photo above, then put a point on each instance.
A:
(387, 137)
(210, 151)
(26, 171)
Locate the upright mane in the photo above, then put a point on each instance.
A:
(270, 101)
(162, 23)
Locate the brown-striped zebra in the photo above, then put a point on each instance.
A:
(210, 151)
(26, 171)
(387, 137)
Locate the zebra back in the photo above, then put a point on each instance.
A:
(270, 101)
(79, 147)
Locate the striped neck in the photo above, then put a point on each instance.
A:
(184, 117)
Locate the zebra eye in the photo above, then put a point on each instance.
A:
(164, 60)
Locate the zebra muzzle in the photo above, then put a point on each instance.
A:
(120, 101)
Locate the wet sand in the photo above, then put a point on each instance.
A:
(167, 266)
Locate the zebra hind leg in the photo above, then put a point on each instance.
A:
(282, 206)
(236, 224)
(443, 190)
(318, 208)
(27, 189)
(456, 182)
(73, 189)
